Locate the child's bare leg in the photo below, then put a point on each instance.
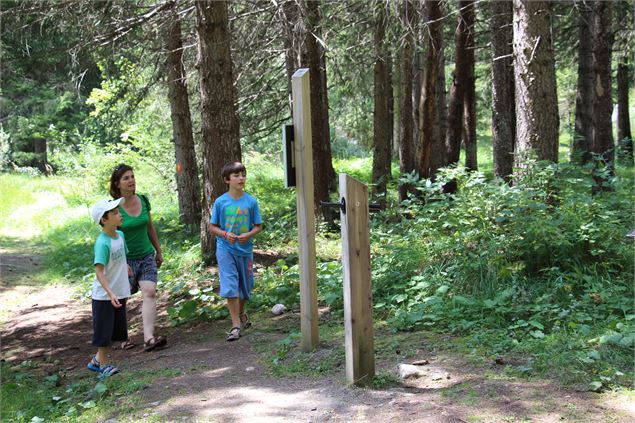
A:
(242, 306)
(148, 308)
(233, 305)
(102, 355)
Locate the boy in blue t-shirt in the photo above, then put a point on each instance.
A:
(235, 219)
(110, 286)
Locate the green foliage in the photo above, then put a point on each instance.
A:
(36, 397)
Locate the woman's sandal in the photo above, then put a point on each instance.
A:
(154, 343)
(107, 371)
(94, 365)
(244, 321)
(233, 334)
(128, 344)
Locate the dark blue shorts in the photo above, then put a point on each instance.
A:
(109, 323)
(236, 275)
(143, 269)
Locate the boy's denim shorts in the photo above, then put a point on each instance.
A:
(236, 275)
(143, 269)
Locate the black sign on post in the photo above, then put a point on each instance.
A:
(288, 156)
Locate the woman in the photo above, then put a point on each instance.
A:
(144, 251)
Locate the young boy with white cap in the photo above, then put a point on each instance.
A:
(110, 287)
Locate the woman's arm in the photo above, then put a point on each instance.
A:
(154, 239)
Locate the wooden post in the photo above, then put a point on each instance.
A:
(358, 308)
(305, 211)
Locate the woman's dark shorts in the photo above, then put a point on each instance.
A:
(143, 269)
(109, 323)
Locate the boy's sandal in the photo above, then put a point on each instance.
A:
(94, 365)
(244, 321)
(128, 344)
(154, 343)
(107, 371)
(233, 334)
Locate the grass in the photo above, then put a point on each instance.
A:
(37, 396)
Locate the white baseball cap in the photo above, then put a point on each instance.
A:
(102, 206)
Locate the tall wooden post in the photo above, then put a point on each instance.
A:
(358, 307)
(305, 207)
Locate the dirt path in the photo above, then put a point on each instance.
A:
(210, 379)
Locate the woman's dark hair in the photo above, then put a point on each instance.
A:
(117, 173)
(232, 167)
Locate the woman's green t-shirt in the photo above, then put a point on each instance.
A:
(135, 230)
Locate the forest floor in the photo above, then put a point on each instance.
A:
(201, 377)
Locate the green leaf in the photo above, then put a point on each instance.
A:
(536, 324)
(88, 404)
(537, 334)
(442, 290)
(595, 386)
(100, 388)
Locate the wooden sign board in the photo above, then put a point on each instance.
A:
(288, 156)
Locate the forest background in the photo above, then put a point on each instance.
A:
(495, 135)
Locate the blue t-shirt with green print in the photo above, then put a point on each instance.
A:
(237, 216)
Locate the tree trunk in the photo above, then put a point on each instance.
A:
(624, 138)
(290, 19)
(40, 156)
(323, 172)
(581, 143)
(406, 144)
(602, 145)
(457, 91)
(390, 99)
(381, 116)
(187, 182)
(503, 113)
(438, 157)
(469, 101)
(219, 116)
(535, 78)
(429, 132)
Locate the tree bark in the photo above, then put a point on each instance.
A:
(381, 115)
(624, 137)
(503, 113)
(457, 91)
(581, 143)
(429, 132)
(187, 183)
(537, 118)
(219, 116)
(406, 144)
(602, 145)
(438, 157)
(323, 172)
(469, 101)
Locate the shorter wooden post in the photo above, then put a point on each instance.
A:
(358, 308)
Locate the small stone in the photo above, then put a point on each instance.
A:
(250, 369)
(154, 404)
(278, 309)
(420, 363)
(407, 371)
